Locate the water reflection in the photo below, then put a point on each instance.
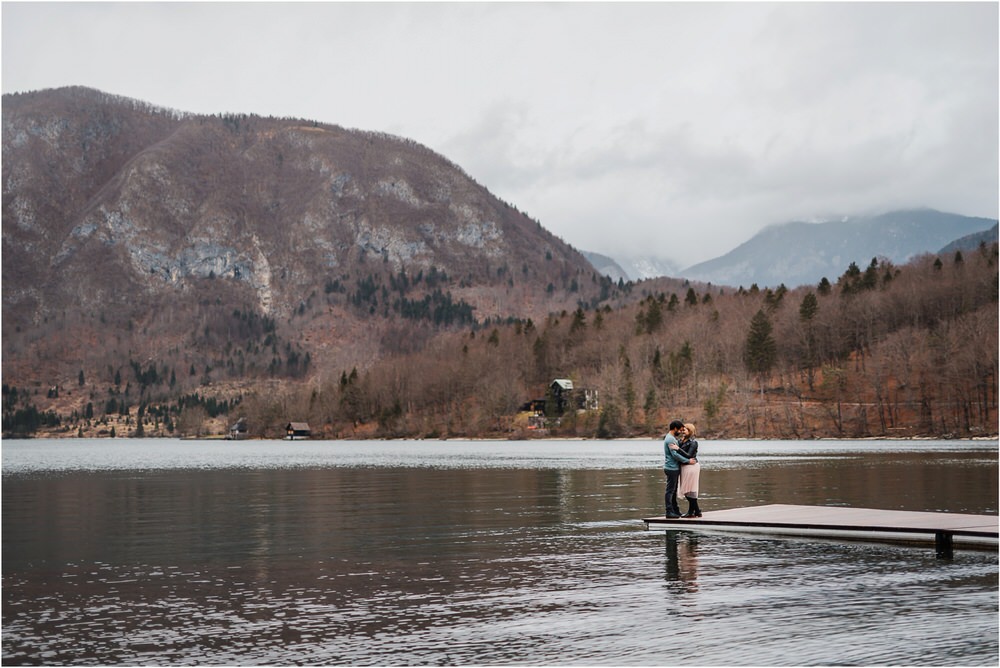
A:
(416, 565)
(682, 560)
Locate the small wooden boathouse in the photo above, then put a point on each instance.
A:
(944, 530)
(297, 431)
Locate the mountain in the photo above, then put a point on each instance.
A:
(232, 245)
(606, 266)
(973, 241)
(631, 268)
(644, 267)
(800, 253)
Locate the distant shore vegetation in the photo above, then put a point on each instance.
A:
(883, 351)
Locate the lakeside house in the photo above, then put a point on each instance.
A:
(238, 431)
(296, 431)
(562, 395)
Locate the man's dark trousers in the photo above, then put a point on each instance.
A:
(670, 497)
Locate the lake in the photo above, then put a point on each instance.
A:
(169, 552)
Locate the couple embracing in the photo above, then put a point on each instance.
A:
(680, 464)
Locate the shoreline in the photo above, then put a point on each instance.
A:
(54, 437)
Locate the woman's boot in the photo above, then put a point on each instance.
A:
(692, 507)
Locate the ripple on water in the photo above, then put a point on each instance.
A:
(402, 566)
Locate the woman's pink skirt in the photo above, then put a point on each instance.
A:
(689, 480)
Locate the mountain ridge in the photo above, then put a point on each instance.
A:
(973, 241)
(824, 249)
(120, 216)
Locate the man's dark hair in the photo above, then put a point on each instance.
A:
(676, 424)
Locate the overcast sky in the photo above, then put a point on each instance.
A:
(664, 129)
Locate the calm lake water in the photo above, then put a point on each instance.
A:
(420, 552)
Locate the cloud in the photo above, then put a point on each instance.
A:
(623, 127)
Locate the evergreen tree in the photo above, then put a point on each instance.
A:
(808, 308)
(807, 311)
(659, 374)
(649, 407)
(761, 351)
(654, 316)
(869, 281)
(609, 425)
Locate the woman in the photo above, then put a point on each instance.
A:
(690, 472)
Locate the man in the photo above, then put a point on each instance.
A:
(672, 458)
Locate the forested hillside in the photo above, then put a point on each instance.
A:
(881, 351)
(152, 255)
(167, 274)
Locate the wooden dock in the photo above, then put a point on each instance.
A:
(944, 530)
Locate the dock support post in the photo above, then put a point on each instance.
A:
(943, 544)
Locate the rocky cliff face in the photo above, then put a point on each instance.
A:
(117, 211)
